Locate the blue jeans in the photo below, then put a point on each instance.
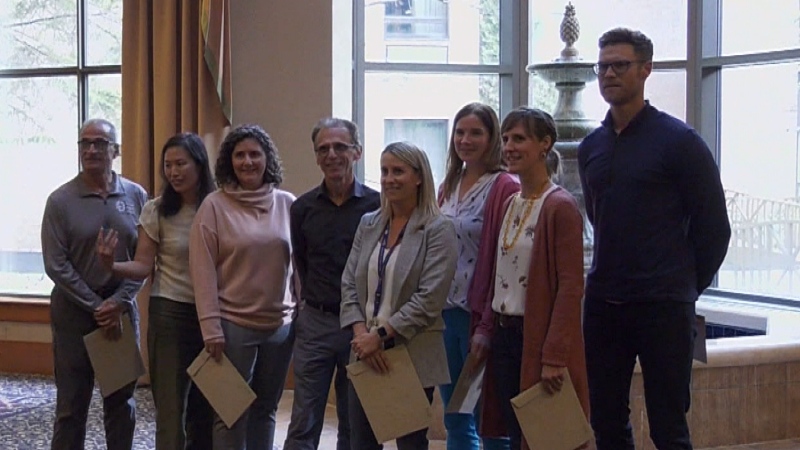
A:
(262, 358)
(461, 428)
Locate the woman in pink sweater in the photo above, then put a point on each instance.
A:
(239, 257)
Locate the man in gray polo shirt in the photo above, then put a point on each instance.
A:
(86, 296)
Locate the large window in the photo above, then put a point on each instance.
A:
(418, 62)
(758, 78)
(659, 19)
(739, 89)
(59, 64)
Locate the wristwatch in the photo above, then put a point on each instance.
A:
(382, 333)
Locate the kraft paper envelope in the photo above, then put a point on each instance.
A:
(467, 390)
(552, 422)
(116, 363)
(395, 403)
(700, 352)
(222, 385)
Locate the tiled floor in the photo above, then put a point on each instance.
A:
(793, 444)
(328, 440)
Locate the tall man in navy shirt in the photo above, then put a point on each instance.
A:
(324, 222)
(661, 231)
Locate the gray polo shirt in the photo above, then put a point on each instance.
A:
(72, 219)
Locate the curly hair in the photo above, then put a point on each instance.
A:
(223, 170)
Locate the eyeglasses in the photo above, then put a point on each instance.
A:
(338, 148)
(619, 67)
(99, 144)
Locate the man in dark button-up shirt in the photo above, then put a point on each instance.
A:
(654, 197)
(324, 222)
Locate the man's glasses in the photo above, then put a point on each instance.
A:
(99, 144)
(338, 148)
(619, 67)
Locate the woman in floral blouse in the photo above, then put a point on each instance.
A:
(538, 282)
(472, 196)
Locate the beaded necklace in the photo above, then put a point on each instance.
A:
(528, 207)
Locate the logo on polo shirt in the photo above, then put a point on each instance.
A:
(121, 206)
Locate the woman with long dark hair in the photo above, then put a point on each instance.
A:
(183, 417)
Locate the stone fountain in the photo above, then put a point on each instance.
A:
(570, 73)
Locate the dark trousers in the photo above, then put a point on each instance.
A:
(74, 378)
(321, 348)
(506, 361)
(661, 334)
(362, 437)
(184, 419)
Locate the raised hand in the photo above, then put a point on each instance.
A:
(106, 243)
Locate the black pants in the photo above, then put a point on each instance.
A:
(363, 438)
(184, 418)
(661, 334)
(506, 361)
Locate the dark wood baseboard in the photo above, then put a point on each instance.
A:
(26, 357)
(37, 357)
(24, 310)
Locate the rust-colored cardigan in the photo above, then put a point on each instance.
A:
(552, 321)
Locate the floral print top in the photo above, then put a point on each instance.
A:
(467, 216)
(514, 249)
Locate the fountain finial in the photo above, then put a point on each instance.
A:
(570, 32)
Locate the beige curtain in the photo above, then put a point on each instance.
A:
(175, 78)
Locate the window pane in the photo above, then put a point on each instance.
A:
(38, 34)
(105, 102)
(39, 151)
(749, 26)
(666, 90)
(416, 108)
(663, 21)
(760, 173)
(432, 31)
(103, 32)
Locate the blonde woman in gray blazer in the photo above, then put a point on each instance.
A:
(396, 281)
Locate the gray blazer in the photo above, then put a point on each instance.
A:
(425, 266)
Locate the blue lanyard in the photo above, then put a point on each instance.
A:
(383, 261)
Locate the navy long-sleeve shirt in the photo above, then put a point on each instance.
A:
(654, 197)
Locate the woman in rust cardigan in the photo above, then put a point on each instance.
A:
(538, 284)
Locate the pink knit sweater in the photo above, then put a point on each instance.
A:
(240, 259)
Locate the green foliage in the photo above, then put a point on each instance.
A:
(489, 86)
(543, 94)
(42, 35)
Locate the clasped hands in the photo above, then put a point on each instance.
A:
(368, 347)
(109, 317)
